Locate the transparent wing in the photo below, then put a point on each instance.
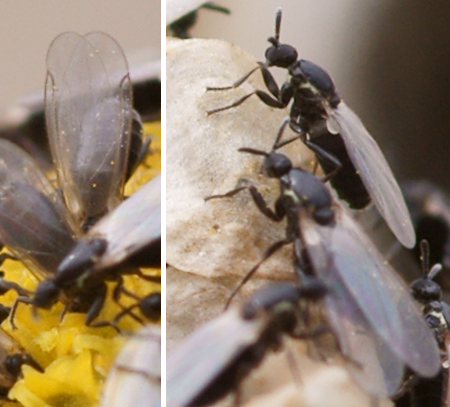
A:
(374, 171)
(344, 252)
(135, 378)
(203, 355)
(34, 223)
(372, 364)
(88, 107)
(133, 225)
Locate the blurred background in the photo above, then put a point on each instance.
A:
(390, 61)
(28, 28)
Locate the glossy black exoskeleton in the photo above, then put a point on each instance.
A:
(105, 253)
(334, 132)
(35, 225)
(430, 392)
(369, 307)
(149, 306)
(12, 358)
(238, 341)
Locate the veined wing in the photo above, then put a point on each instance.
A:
(344, 252)
(374, 171)
(88, 107)
(372, 364)
(203, 355)
(34, 223)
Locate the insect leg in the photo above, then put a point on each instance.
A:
(145, 304)
(6, 256)
(5, 286)
(263, 96)
(228, 194)
(263, 207)
(96, 305)
(257, 198)
(24, 300)
(236, 84)
(154, 279)
(278, 144)
(269, 252)
(326, 156)
(149, 305)
(118, 291)
(269, 80)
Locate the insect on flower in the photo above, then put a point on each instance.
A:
(89, 118)
(89, 115)
(127, 238)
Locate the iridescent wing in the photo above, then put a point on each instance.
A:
(344, 254)
(203, 355)
(374, 170)
(34, 223)
(371, 362)
(88, 107)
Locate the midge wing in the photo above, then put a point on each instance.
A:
(135, 378)
(372, 363)
(88, 107)
(382, 297)
(374, 171)
(203, 355)
(34, 223)
(133, 225)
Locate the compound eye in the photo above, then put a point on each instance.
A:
(276, 165)
(281, 56)
(425, 290)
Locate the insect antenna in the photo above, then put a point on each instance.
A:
(425, 259)
(275, 41)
